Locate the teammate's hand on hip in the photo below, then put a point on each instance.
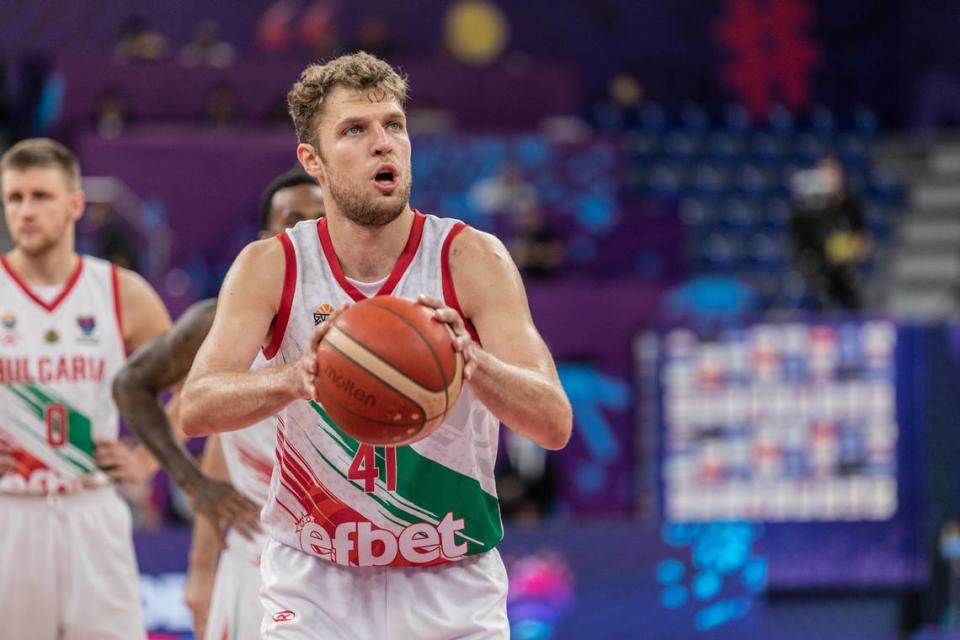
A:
(117, 460)
(307, 367)
(462, 341)
(224, 507)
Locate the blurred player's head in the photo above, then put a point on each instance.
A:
(291, 197)
(41, 195)
(350, 121)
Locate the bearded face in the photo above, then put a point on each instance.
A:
(364, 151)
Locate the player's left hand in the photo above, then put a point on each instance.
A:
(118, 461)
(462, 341)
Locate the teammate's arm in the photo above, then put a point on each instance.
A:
(205, 548)
(142, 318)
(512, 373)
(220, 383)
(160, 364)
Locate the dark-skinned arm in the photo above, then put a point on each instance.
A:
(161, 364)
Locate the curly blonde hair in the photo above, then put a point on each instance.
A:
(359, 71)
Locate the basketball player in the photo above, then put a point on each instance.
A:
(244, 458)
(412, 553)
(67, 570)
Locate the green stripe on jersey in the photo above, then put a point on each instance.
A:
(79, 449)
(426, 490)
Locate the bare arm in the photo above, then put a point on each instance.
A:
(205, 548)
(143, 317)
(159, 365)
(513, 373)
(220, 384)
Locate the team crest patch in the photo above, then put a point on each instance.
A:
(87, 324)
(9, 320)
(321, 313)
(51, 336)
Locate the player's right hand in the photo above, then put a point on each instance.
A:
(197, 594)
(307, 366)
(224, 507)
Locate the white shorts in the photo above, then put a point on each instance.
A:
(235, 610)
(67, 569)
(308, 598)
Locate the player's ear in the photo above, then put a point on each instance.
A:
(309, 159)
(78, 203)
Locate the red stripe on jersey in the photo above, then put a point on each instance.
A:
(24, 464)
(117, 308)
(449, 291)
(256, 463)
(286, 298)
(399, 267)
(67, 288)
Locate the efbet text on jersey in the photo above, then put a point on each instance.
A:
(419, 543)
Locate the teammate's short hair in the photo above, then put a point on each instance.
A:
(42, 152)
(292, 178)
(355, 71)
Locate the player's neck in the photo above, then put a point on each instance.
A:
(369, 253)
(49, 268)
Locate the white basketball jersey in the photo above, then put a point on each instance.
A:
(356, 504)
(57, 364)
(249, 452)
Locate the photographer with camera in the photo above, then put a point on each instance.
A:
(829, 236)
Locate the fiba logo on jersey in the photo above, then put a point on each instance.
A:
(87, 324)
(9, 320)
(321, 313)
(51, 336)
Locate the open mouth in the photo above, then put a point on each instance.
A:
(386, 178)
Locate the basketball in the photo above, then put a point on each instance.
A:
(387, 373)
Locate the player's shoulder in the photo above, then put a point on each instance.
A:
(472, 246)
(262, 250)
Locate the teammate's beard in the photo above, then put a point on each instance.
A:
(45, 244)
(364, 210)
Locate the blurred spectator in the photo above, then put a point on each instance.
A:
(318, 28)
(111, 116)
(221, 105)
(374, 37)
(112, 238)
(506, 192)
(138, 43)
(536, 248)
(526, 483)
(206, 48)
(830, 236)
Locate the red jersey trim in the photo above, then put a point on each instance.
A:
(67, 288)
(449, 291)
(399, 268)
(286, 298)
(117, 308)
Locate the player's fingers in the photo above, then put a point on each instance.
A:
(430, 301)
(469, 368)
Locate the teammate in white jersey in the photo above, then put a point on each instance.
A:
(368, 541)
(68, 570)
(231, 608)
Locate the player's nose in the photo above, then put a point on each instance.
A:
(381, 141)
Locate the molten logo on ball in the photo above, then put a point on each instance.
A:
(348, 387)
